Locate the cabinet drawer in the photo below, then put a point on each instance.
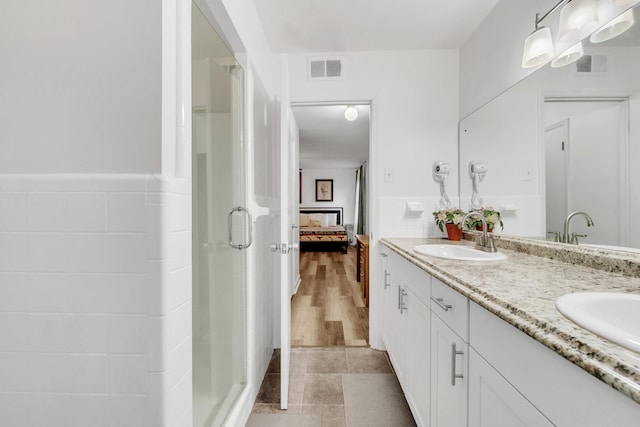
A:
(418, 281)
(451, 307)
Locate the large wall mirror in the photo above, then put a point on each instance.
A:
(563, 140)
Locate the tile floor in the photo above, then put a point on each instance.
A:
(333, 387)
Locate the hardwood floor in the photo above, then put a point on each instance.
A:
(328, 309)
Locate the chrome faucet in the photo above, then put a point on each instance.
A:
(484, 242)
(565, 236)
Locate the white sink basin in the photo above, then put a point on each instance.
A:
(464, 253)
(614, 316)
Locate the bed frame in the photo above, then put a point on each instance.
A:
(325, 246)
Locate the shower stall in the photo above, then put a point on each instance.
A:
(221, 227)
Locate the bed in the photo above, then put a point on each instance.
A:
(322, 229)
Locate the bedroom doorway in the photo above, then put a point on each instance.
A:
(330, 304)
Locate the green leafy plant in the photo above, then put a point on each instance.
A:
(448, 216)
(491, 216)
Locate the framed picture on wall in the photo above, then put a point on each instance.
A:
(324, 190)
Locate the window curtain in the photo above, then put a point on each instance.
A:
(360, 220)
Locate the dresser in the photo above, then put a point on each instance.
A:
(362, 265)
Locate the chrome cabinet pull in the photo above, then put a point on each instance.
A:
(383, 255)
(387, 279)
(240, 246)
(399, 296)
(455, 353)
(403, 306)
(441, 303)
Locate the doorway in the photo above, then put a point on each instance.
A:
(330, 307)
(586, 157)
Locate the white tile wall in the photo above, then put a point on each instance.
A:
(95, 300)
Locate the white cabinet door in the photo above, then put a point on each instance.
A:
(449, 381)
(493, 402)
(394, 327)
(387, 296)
(418, 354)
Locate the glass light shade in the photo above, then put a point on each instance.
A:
(351, 114)
(569, 56)
(614, 28)
(578, 18)
(538, 48)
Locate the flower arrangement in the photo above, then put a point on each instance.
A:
(448, 216)
(491, 216)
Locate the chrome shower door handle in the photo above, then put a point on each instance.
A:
(249, 220)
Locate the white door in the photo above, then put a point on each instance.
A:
(556, 149)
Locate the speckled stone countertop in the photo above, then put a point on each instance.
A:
(523, 293)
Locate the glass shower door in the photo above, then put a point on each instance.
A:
(220, 230)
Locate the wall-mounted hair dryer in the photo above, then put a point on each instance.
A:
(477, 172)
(440, 172)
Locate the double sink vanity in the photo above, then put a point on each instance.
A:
(494, 339)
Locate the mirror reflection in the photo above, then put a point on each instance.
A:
(563, 140)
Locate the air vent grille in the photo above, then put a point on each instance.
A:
(325, 68)
(592, 64)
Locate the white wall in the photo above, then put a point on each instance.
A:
(88, 288)
(95, 269)
(76, 93)
(86, 291)
(344, 190)
(414, 118)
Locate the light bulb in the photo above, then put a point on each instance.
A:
(351, 113)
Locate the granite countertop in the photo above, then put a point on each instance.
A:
(523, 290)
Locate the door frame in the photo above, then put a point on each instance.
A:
(375, 306)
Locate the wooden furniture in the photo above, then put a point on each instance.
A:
(362, 265)
(322, 229)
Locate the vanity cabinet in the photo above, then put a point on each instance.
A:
(460, 365)
(406, 329)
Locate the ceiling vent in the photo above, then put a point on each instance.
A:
(324, 68)
(592, 64)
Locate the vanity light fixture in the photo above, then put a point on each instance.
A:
(569, 56)
(538, 47)
(351, 113)
(617, 26)
(578, 18)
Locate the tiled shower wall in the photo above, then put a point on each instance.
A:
(95, 300)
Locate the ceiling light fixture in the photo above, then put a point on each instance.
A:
(569, 56)
(614, 28)
(351, 113)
